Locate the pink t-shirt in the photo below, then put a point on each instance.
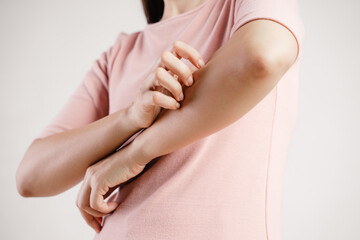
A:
(225, 186)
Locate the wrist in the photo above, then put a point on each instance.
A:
(138, 152)
(132, 120)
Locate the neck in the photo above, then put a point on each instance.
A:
(175, 7)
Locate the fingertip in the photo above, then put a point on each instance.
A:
(175, 54)
(181, 96)
(201, 63)
(99, 220)
(112, 206)
(190, 80)
(96, 226)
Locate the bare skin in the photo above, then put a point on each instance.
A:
(176, 7)
(47, 169)
(87, 198)
(253, 68)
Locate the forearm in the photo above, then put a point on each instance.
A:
(58, 162)
(229, 86)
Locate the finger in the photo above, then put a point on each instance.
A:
(93, 212)
(176, 77)
(184, 50)
(97, 200)
(176, 66)
(148, 83)
(99, 220)
(159, 99)
(84, 198)
(91, 221)
(166, 80)
(111, 190)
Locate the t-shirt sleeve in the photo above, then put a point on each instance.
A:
(89, 101)
(284, 12)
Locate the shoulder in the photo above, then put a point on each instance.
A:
(284, 12)
(122, 41)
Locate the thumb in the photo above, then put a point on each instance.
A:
(97, 203)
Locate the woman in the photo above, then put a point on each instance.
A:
(211, 169)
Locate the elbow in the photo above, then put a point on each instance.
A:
(28, 183)
(263, 66)
(264, 62)
(23, 191)
(26, 176)
(23, 186)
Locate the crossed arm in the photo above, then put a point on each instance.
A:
(238, 76)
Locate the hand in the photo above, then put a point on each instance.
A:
(100, 180)
(163, 81)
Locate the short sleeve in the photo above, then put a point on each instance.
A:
(89, 101)
(284, 12)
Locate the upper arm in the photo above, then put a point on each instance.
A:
(87, 103)
(268, 33)
(265, 45)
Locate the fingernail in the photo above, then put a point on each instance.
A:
(201, 62)
(98, 220)
(190, 80)
(181, 96)
(178, 105)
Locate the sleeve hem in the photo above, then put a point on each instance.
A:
(295, 28)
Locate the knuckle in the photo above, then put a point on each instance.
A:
(80, 205)
(146, 104)
(135, 170)
(194, 52)
(186, 73)
(164, 55)
(174, 105)
(155, 97)
(95, 179)
(158, 72)
(196, 55)
(177, 44)
(93, 205)
(89, 171)
(93, 176)
(178, 89)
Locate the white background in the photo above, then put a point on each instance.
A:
(46, 47)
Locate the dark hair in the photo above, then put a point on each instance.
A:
(153, 10)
